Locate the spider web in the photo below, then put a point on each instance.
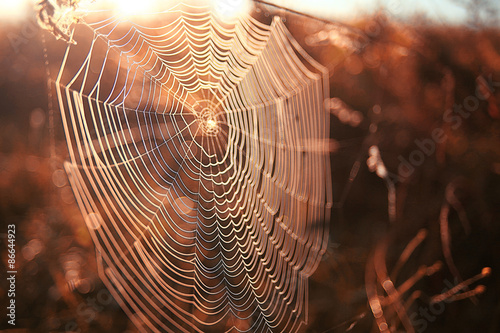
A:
(198, 160)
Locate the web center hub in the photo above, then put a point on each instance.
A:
(208, 122)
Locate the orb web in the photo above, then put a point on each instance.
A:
(193, 144)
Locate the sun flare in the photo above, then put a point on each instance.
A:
(11, 11)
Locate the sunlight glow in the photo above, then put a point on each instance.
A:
(127, 8)
(11, 11)
(231, 9)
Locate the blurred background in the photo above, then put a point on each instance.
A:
(415, 152)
